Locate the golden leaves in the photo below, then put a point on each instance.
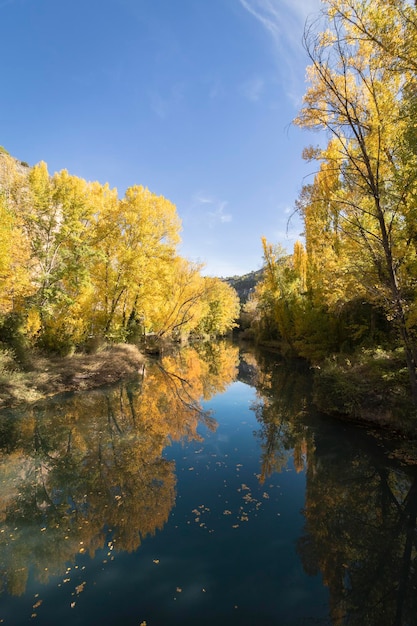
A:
(99, 265)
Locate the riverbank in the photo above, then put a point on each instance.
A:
(369, 388)
(48, 376)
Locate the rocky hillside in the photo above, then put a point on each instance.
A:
(245, 284)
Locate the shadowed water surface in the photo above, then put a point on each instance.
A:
(206, 491)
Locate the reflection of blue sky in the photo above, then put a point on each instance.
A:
(191, 99)
(227, 553)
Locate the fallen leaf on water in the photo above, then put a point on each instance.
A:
(80, 588)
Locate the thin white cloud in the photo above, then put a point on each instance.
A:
(219, 215)
(266, 13)
(202, 199)
(277, 16)
(284, 21)
(214, 210)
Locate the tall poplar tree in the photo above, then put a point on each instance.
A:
(362, 76)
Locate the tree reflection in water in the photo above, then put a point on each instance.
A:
(361, 533)
(82, 468)
(360, 507)
(86, 473)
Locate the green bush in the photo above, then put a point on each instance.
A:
(12, 336)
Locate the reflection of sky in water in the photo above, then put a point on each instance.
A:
(239, 532)
(227, 554)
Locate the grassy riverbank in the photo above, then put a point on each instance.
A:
(371, 387)
(46, 376)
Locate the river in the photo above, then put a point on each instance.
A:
(206, 491)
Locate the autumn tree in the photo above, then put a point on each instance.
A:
(56, 214)
(356, 94)
(177, 302)
(278, 299)
(15, 267)
(222, 307)
(80, 262)
(15, 282)
(135, 235)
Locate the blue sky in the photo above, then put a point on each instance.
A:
(193, 99)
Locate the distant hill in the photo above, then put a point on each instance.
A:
(244, 285)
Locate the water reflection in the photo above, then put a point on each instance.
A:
(84, 466)
(360, 532)
(360, 507)
(86, 475)
(282, 402)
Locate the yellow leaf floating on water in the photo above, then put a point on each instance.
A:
(80, 588)
(227, 512)
(156, 561)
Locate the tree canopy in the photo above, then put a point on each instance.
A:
(77, 261)
(356, 273)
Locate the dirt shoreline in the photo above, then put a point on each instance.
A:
(49, 376)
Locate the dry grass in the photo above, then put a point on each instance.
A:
(52, 375)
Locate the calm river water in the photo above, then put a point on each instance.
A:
(204, 492)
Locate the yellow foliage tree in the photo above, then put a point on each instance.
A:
(358, 91)
(135, 237)
(15, 278)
